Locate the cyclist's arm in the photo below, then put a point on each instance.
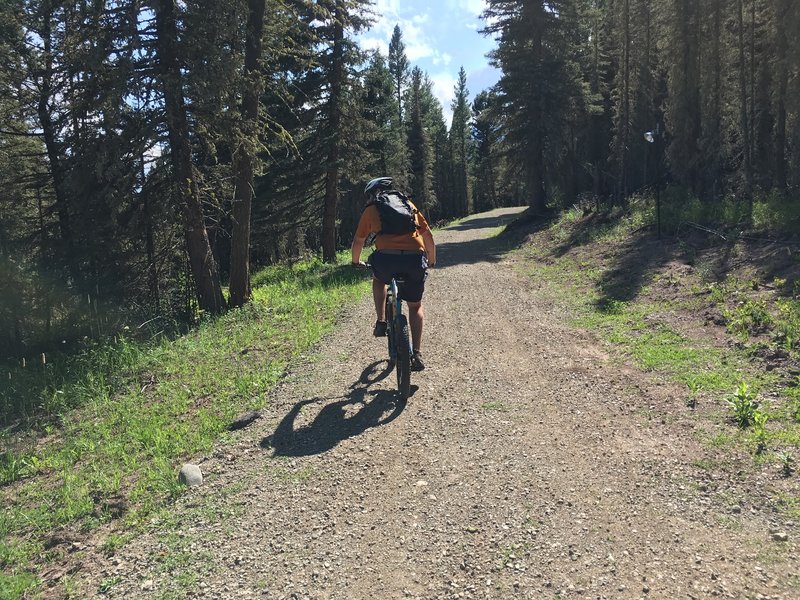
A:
(430, 246)
(356, 248)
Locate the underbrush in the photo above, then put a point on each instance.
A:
(97, 437)
(772, 214)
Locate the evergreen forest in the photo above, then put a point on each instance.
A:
(154, 153)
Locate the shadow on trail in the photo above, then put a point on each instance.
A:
(489, 249)
(484, 222)
(334, 422)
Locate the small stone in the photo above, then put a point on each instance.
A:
(191, 475)
(736, 509)
(421, 483)
(780, 536)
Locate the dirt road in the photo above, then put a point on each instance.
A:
(525, 465)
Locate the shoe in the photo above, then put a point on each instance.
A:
(416, 361)
(380, 329)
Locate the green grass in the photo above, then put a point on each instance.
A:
(117, 422)
(656, 347)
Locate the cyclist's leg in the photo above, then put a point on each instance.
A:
(383, 269)
(416, 318)
(379, 296)
(412, 290)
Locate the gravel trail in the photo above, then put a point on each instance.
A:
(526, 464)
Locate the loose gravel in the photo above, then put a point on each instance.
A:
(527, 464)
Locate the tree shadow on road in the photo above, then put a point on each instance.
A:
(485, 249)
(361, 409)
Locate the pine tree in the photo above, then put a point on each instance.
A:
(541, 89)
(460, 145)
(782, 12)
(683, 110)
(712, 142)
(399, 73)
(434, 124)
(399, 67)
(485, 132)
(245, 155)
(420, 147)
(203, 264)
(343, 16)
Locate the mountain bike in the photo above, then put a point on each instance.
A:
(397, 336)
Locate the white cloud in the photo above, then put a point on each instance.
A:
(442, 59)
(473, 7)
(443, 84)
(415, 33)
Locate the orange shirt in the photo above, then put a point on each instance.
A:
(370, 222)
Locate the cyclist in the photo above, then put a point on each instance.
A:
(408, 253)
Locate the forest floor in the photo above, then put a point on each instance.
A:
(540, 455)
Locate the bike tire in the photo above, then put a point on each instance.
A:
(403, 350)
(390, 333)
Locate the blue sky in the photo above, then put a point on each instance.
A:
(440, 37)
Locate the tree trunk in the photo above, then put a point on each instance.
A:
(334, 106)
(49, 130)
(245, 156)
(625, 118)
(201, 260)
(535, 169)
(150, 244)
(782, 75)
(743, 116)
(753, 135)
(712, 119)
(399, 92)
(492, 183)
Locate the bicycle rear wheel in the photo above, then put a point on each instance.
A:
(390, 331)
(403, 352)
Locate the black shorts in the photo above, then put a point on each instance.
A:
(411, 268)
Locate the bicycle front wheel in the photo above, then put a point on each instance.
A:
(403, 354)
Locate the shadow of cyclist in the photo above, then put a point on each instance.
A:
(360, 410)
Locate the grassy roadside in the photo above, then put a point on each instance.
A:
(114, 425)
(718, 319)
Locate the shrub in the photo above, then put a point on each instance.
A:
(744, 405)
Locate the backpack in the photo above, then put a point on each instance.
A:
(396, 213)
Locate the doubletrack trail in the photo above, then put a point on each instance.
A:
(526, 464)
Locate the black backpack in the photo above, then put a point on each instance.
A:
(396, 213)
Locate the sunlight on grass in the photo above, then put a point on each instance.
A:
(118, 421)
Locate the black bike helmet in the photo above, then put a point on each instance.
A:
(378, 184)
